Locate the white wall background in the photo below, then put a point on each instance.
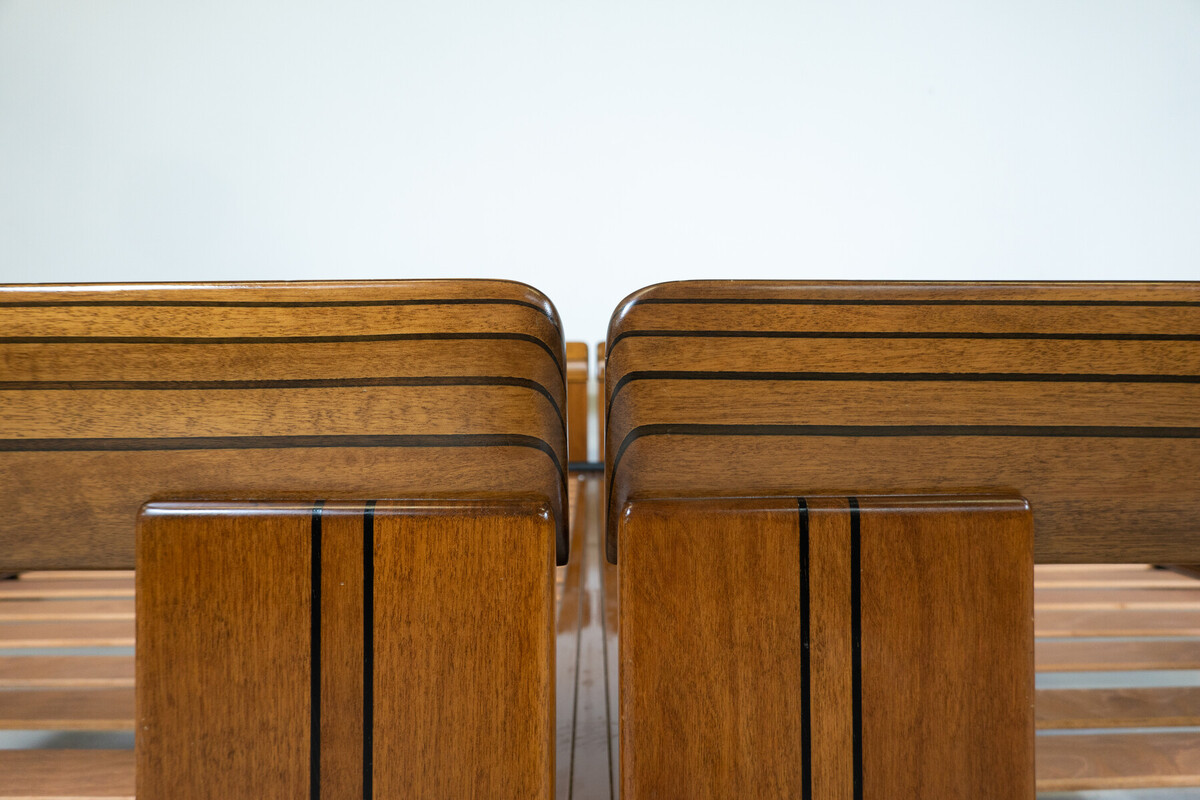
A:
(590, 147)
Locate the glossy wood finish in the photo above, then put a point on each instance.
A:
(577, 401)
(1085, 398)
(752, 642)
(291, 390)
(433, 624)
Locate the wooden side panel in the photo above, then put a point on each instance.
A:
(1082, 397)
(827, 647)
(577, 401)
(346, 649)
(463, 648)
(710, 651)
(223, 658)
(132, 394)
(947, 648)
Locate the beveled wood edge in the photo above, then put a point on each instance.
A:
(998, 501)
(508, 504)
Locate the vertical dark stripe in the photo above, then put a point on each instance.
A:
(805, 673)
(368, 649)
(856, 643)
(314, 704)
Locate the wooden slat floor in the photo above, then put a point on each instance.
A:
(1091, 622)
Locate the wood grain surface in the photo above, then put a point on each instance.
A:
(463, 645)
(1085, 398)
(345, 649)
(1088, 656)
(136, 393)
(26, 672)
(577, 401)
(1118, 761)
(92, 709)
(66, 774)
(1158, 707)
(870, 647)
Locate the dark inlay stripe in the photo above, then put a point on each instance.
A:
(368, 650)
(1015, 377)
(463, 301)
(314, 705)
(1015, 335)
(282, 443)
(366, 337)
(284, 383)
(856, 641)
(883, 431)
(811, 301)
(805, 654)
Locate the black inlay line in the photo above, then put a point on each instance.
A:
(916, 377)
(282, 443)
(1015, 335)
(856, 641)
(368, 650)
(829, 301)
(285, 383)
(367, 337)
(314, 705)
(805, 652)
(464, 301)
(886, 431)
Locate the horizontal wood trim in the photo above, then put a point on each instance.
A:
(1049, 624)
(1117, 599)
(50, 589)
(25, 672)
(91, 525)
(951, 369)
(14, 635)
(67, 774)
(1117, 708)
(1069, 763)
(90, 609)
(1071, 656)
(67, 709)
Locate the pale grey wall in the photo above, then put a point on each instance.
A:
(593, 147)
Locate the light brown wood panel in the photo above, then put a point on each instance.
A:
(14, 635)
(15, 610)
(566, 643)
(216, 391)
(1049, 624)
(710, 651)
(1074, 656)
(463, 621)
(1158, 707)
(108, 483)
(81, 574)
(67, 709)
(22, 589)
(1117, 599)
(66, 774)
(577, 401)
(601, 403)
(1083, 512)
(735, 611)
(223, 597)
(1081, 762)
(31, 672)
(424, 646)
(1081, 397)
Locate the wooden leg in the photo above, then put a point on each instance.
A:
(872, 647)
(393, 649)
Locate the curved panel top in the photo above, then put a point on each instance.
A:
(1067, 392)
(137, 392)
